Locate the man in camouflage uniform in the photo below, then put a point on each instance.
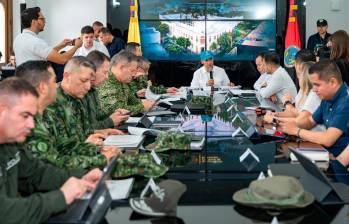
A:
(97, 118)
(140, 83)
(115, 92)
(57, 138)
(48, 189)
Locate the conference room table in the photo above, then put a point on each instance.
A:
(212, 175)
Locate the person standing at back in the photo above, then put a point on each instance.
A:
(319, 39)
(113, 44)
(89, 43)
(29, 46)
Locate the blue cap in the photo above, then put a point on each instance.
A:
(205, 55)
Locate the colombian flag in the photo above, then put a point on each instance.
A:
(133, 29)
(292, 40)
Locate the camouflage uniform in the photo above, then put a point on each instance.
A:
(139, 83)
(141, 164)
(97, 118)
(114, 94)
(21, 174)
(59, 137)
(171, 140)
(158, 89)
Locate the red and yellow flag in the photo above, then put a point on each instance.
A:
(133, 28)
(292, 40)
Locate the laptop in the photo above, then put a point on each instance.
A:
(7, 72)
(92, 209)
(315, 181)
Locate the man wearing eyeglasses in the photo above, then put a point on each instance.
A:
(29, 46)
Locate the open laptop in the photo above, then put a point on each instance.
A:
(92, 209)
(315, 181)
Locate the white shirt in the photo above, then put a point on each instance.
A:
(28, 46)
(310, 104)
(83, 51)
(201, 76)
(280, 84)
(264, 78)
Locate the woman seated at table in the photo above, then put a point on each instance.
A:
(306, 101)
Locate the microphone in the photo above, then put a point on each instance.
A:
(211, 77)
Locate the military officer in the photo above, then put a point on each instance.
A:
(115, 92)
(49, 189)
(51, 140)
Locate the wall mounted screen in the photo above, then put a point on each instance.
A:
(181, 29)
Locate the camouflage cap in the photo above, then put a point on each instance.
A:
(141, 164)
(171, 140)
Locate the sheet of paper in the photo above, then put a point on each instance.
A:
(123, 140)
(169, 99)
(120, 189)
(149, 95)
(137, 119)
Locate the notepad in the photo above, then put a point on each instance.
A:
(137, 119)
(124, 141)
(314, 154)
(120, 189)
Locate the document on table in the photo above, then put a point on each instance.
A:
(137, 119)
(124, 141)
(120, 189)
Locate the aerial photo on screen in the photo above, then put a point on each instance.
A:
(180, 31)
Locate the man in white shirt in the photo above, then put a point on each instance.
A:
(264, 78)
(209, 74)
(28, 46)
(280, 82)
(89, 44)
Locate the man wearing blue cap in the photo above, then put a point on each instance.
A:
(209, 74)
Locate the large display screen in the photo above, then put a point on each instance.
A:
(181, 29)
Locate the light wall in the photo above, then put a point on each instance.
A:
(317, 9)
(16, 16)
(65, 18)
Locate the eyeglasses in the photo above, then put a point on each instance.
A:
(42, 18)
